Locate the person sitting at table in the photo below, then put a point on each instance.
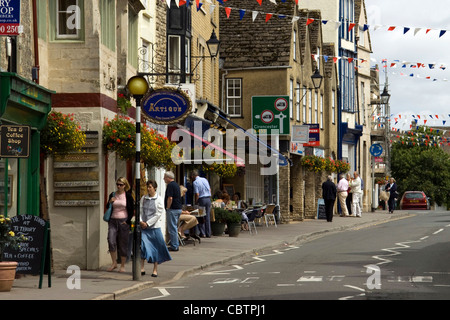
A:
(227, 203)
(239, 203)
(187, 221)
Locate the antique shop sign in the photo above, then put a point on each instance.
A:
(166, 106)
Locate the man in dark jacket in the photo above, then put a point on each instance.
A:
(391, 187)
(329, 196)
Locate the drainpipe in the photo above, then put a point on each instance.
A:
(36, 44)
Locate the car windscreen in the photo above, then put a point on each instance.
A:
(414, 195)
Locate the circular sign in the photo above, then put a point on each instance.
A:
(281, 104)
(267, 116)
(166, 106)
(376, 150)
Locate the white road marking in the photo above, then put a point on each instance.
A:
(164, 292)
(440, 230)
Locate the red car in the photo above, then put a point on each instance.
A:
(414, 200)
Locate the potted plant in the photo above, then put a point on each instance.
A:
(219, 223)
(7, 239)
(234, 220)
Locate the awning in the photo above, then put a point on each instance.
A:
(239, 162)
(283, 161)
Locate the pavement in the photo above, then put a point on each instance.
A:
(214, 251)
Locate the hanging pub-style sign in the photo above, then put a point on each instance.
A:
(166, 106)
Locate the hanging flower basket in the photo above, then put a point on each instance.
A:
(222, 169)
(313, 163)
(156, 150)
(342, 166)
(119, 135)
(61, 135)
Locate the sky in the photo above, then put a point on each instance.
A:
(415, 95)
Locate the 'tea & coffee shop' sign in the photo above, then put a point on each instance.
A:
(166, 106)
(14, 141)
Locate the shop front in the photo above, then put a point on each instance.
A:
(24, 107)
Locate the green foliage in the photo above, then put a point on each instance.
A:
(422, 168)
(220, 215)
(61, 135)
(234, 217)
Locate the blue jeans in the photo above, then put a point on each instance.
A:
(172, 217)
(205, 226)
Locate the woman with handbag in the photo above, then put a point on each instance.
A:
(122, 203)
(153, 246)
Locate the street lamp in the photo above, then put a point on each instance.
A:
(138, 87)
(317, 79)
(213, 45)
(385, 96)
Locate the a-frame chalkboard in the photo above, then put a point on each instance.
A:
(33, 255)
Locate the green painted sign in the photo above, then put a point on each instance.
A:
(271, 113)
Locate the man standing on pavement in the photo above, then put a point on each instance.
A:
(329, 196)
(342, 188)
(173, 205)
(202, 195)
(356, 190)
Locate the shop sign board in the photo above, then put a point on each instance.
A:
(270, 115)
(314, 136)
(15, 141)
(9, 17)
(166, 106)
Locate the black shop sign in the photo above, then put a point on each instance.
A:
(14, 141)
(31, 252)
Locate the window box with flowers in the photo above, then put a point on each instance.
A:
(61, 135)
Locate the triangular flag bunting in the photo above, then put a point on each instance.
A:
(309, 21)
(351, 26)
(268, 16)
(228, 11)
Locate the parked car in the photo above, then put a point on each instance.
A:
(415, 200)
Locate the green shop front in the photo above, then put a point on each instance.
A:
(24, 107)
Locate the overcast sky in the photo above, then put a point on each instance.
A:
(413, 95)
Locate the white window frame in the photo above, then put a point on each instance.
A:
(231, 110)
(66, 36)
(291, 98)
(174, 57)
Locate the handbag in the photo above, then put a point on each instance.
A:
(108, 212)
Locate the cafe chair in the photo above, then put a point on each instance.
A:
(251, 215)
(269, 214)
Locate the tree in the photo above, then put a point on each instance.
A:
(419, 164)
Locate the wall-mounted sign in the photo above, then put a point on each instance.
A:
(15, 141)
(270, 113)
(166, 106)
(9, 18)
(314, 136)
(300, 134)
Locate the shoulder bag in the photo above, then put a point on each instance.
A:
(108, 212)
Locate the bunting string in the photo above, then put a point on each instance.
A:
(330, 23)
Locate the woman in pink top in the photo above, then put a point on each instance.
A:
(119, 224)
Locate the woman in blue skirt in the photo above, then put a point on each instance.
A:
(153, 247)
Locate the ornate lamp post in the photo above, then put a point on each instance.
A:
(138, 87)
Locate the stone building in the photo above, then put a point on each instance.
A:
(277, 58)
(23, 103)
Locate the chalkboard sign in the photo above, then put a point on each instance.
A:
(321, 209)
(29, 254)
